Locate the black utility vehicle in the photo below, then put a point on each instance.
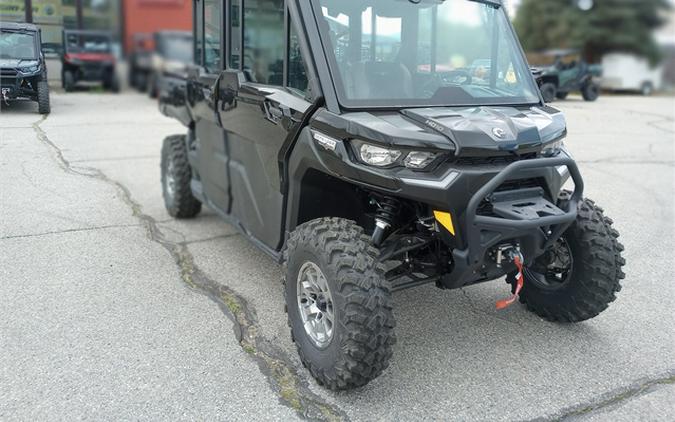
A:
(87, 57)
(159, 64)
(174, 52)
(376, 145)
(560, 72)
(140, 60)
(23, 73)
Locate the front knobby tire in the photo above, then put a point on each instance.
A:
(176, 177)
(43, 98)
(590, 92)
(595, 274)
(360, 345)
(548, 92)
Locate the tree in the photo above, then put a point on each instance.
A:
(610, 25)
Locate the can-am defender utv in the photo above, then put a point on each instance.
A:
(88, 57)
(23, 73)
(377, 145)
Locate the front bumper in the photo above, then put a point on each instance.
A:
(522, 216)
(16, 85)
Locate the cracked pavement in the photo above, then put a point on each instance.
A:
(112, 310)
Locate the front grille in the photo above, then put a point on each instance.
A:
(8, 73)
(501, 160)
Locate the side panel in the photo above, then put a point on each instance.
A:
(257, 123)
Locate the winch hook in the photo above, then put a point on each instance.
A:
(517, 258)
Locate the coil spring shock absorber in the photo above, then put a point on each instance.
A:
(387, 211)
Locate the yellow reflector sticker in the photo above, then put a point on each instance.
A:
(446, 221)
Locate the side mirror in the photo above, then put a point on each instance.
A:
(229, 85)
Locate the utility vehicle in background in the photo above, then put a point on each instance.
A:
(366, 166)
(563, 71)
(140, 60)
(174, 52)
(23, 73)
(88, 58)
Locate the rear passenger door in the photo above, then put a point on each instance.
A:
(211, 147)
(263, 98)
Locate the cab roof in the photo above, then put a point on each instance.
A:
(15, 26)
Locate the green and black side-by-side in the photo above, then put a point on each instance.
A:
(23, 73)
(376, 145)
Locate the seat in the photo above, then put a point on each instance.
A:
(378, 80)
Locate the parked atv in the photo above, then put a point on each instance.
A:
(87, 58)
(23, 73)
(563, 71)
(366, 170)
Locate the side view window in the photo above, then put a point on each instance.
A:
(212, 45)
(297, 71)
(199, 31)
(264, 41)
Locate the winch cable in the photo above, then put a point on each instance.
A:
(520, 281)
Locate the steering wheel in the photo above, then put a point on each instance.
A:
(457, 77)
(448, 78)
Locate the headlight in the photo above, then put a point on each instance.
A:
(378, 156)
(29, 69)
(553, 149)
(419, 159)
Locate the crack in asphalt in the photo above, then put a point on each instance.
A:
(75, 230)
(613, 398)
(273, 362)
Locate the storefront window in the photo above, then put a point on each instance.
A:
(13, 10)
(50, 16)
(100, 14)
(53, 16)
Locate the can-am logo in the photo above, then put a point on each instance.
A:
(499, 132)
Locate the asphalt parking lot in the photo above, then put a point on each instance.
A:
(112, 310)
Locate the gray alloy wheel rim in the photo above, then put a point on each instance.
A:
(558, 272)
(170, 180)
(315, 304)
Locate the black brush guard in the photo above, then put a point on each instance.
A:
(524, 216)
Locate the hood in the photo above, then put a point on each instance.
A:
(465, 130)
(15, 63)
(476, 129)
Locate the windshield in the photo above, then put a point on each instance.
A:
(88, 43)
(385, 53)
(177, 47)
(17, 45)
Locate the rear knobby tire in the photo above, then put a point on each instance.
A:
(363, 336)
(179, 200)
(43, 98)
(596, 270)
(68, 81)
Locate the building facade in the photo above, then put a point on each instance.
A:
(123, 18)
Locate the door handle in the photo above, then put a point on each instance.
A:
(275, 113)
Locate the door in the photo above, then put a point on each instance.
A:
(260, 106)
(211, 145)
